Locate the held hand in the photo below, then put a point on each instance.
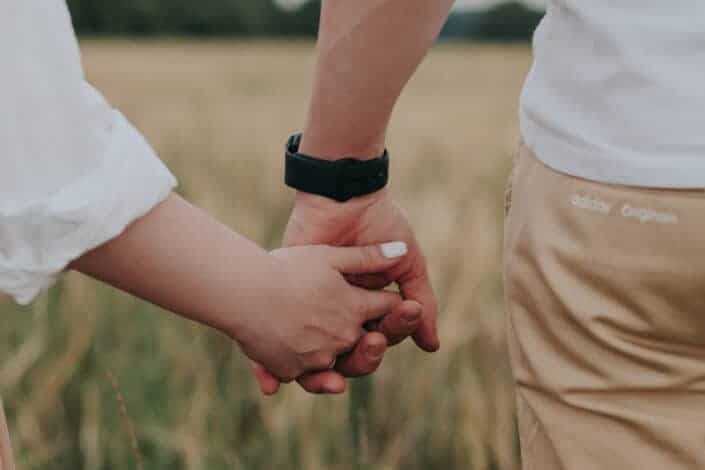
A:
(370, 219)
(313, 314)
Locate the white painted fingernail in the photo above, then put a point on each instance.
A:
(394, 249)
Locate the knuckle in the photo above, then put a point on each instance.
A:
(325, 252)
(349, 337)
(387, 330)
(369, 256)
(395, 333)
(367, 368)
(360, 368)
(362, 305)
(322, 360)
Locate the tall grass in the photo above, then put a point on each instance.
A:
(218, 114)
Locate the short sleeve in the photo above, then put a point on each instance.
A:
(74, 173)
(39, 239)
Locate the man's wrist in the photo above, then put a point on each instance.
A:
(323, 204)
(327, 147)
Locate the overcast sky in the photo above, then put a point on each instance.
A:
(460, 4)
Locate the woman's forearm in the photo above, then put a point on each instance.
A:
(180, 258)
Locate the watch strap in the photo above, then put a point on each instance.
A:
(341, 179)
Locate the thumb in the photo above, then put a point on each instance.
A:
(367, 259)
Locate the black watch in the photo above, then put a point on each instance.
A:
(340, 180)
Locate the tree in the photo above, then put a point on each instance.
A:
(264, 18)
(509, 21)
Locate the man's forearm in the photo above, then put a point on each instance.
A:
(367, 51)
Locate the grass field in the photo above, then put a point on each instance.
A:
(218, 114)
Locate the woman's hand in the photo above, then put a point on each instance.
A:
(311, 314)
(291, 309)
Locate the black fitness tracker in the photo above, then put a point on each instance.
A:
(340, 180)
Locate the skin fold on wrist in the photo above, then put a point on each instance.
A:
(322, 204)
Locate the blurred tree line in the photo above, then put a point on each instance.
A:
(509, 21)
(201, 17)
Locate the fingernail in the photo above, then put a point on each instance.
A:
(375, 351)
(394, 249)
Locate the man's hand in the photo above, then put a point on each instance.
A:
(368, 220)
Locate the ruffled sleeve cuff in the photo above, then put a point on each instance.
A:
(39, 239)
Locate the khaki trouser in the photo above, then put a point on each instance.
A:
(6, 462)
(605, 290)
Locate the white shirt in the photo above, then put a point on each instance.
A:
(73, 172)
(617, 91)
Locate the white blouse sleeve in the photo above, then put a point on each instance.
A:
(73, 172)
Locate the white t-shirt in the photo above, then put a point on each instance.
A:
(617, 91)
(73, 172)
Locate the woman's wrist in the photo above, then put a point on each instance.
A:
(180, 258)
(239, 313)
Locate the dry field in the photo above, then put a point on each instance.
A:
(218, 113)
